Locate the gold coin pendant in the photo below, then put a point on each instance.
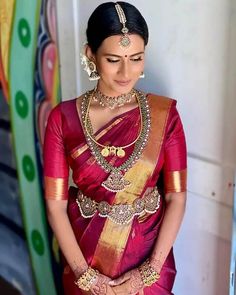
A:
(105, 152)
(120, 153)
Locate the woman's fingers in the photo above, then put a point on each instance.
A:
(110, 291)
(120, 290)
(120, 280)
(107, 279)
(103, 290)
(132, 285)
(101, 287)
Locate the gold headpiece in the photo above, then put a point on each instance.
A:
(124, 40)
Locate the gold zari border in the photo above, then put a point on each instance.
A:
(56, 188)
(175, 181)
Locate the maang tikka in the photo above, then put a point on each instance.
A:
(124, 40)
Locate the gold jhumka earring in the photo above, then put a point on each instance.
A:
(89, 67)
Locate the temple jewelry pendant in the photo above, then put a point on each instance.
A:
(115, 182)
(120, 153)
(113, 151)
(105, 152)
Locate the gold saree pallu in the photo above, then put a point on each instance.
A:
(114, 237)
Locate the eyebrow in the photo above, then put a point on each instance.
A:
(115, 55)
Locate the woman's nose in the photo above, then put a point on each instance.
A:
(124, 69)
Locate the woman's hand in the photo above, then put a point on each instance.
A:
(101, 286)
(129, 283)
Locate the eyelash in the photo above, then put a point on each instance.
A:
(117, 60)
(112, 60)
(137, 59)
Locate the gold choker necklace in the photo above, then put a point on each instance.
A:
(112, 102)
(111, 150)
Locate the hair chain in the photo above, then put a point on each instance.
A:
(121, 14)
(124, 40)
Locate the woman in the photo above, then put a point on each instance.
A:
(127, 152)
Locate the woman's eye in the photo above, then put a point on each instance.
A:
(137, 59)
(112, 60)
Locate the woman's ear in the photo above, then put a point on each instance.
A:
(89, 53)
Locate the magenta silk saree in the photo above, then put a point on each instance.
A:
(111, 248)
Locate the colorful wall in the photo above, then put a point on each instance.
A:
(29, 88)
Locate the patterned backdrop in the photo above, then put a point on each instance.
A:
(29, 88)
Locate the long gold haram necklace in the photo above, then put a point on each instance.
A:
(110, 150)
(116, 181)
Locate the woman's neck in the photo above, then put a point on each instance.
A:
(107, 91)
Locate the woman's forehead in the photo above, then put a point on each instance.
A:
(111, 46)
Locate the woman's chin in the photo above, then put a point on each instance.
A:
(123, 88)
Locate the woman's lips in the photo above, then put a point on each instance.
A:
(123, 83)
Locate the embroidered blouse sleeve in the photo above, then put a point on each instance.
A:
(56, 168)
(175, 154)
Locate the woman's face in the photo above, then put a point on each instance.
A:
(119, 67)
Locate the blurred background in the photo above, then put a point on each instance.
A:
(190, 57)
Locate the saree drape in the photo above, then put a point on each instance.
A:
(111, 248)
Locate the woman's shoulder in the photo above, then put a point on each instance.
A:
(63, 103)
(61, 109)
(70, 104)
(161, 98)
(67, 103)
(65, 106)
(161, 101)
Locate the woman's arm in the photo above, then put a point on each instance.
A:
(56, 173)
(59, 221)
(175, 187)
(175, 207)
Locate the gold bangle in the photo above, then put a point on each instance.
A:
(148, 274)
(86, 280)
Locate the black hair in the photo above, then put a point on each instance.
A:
(104, 22)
